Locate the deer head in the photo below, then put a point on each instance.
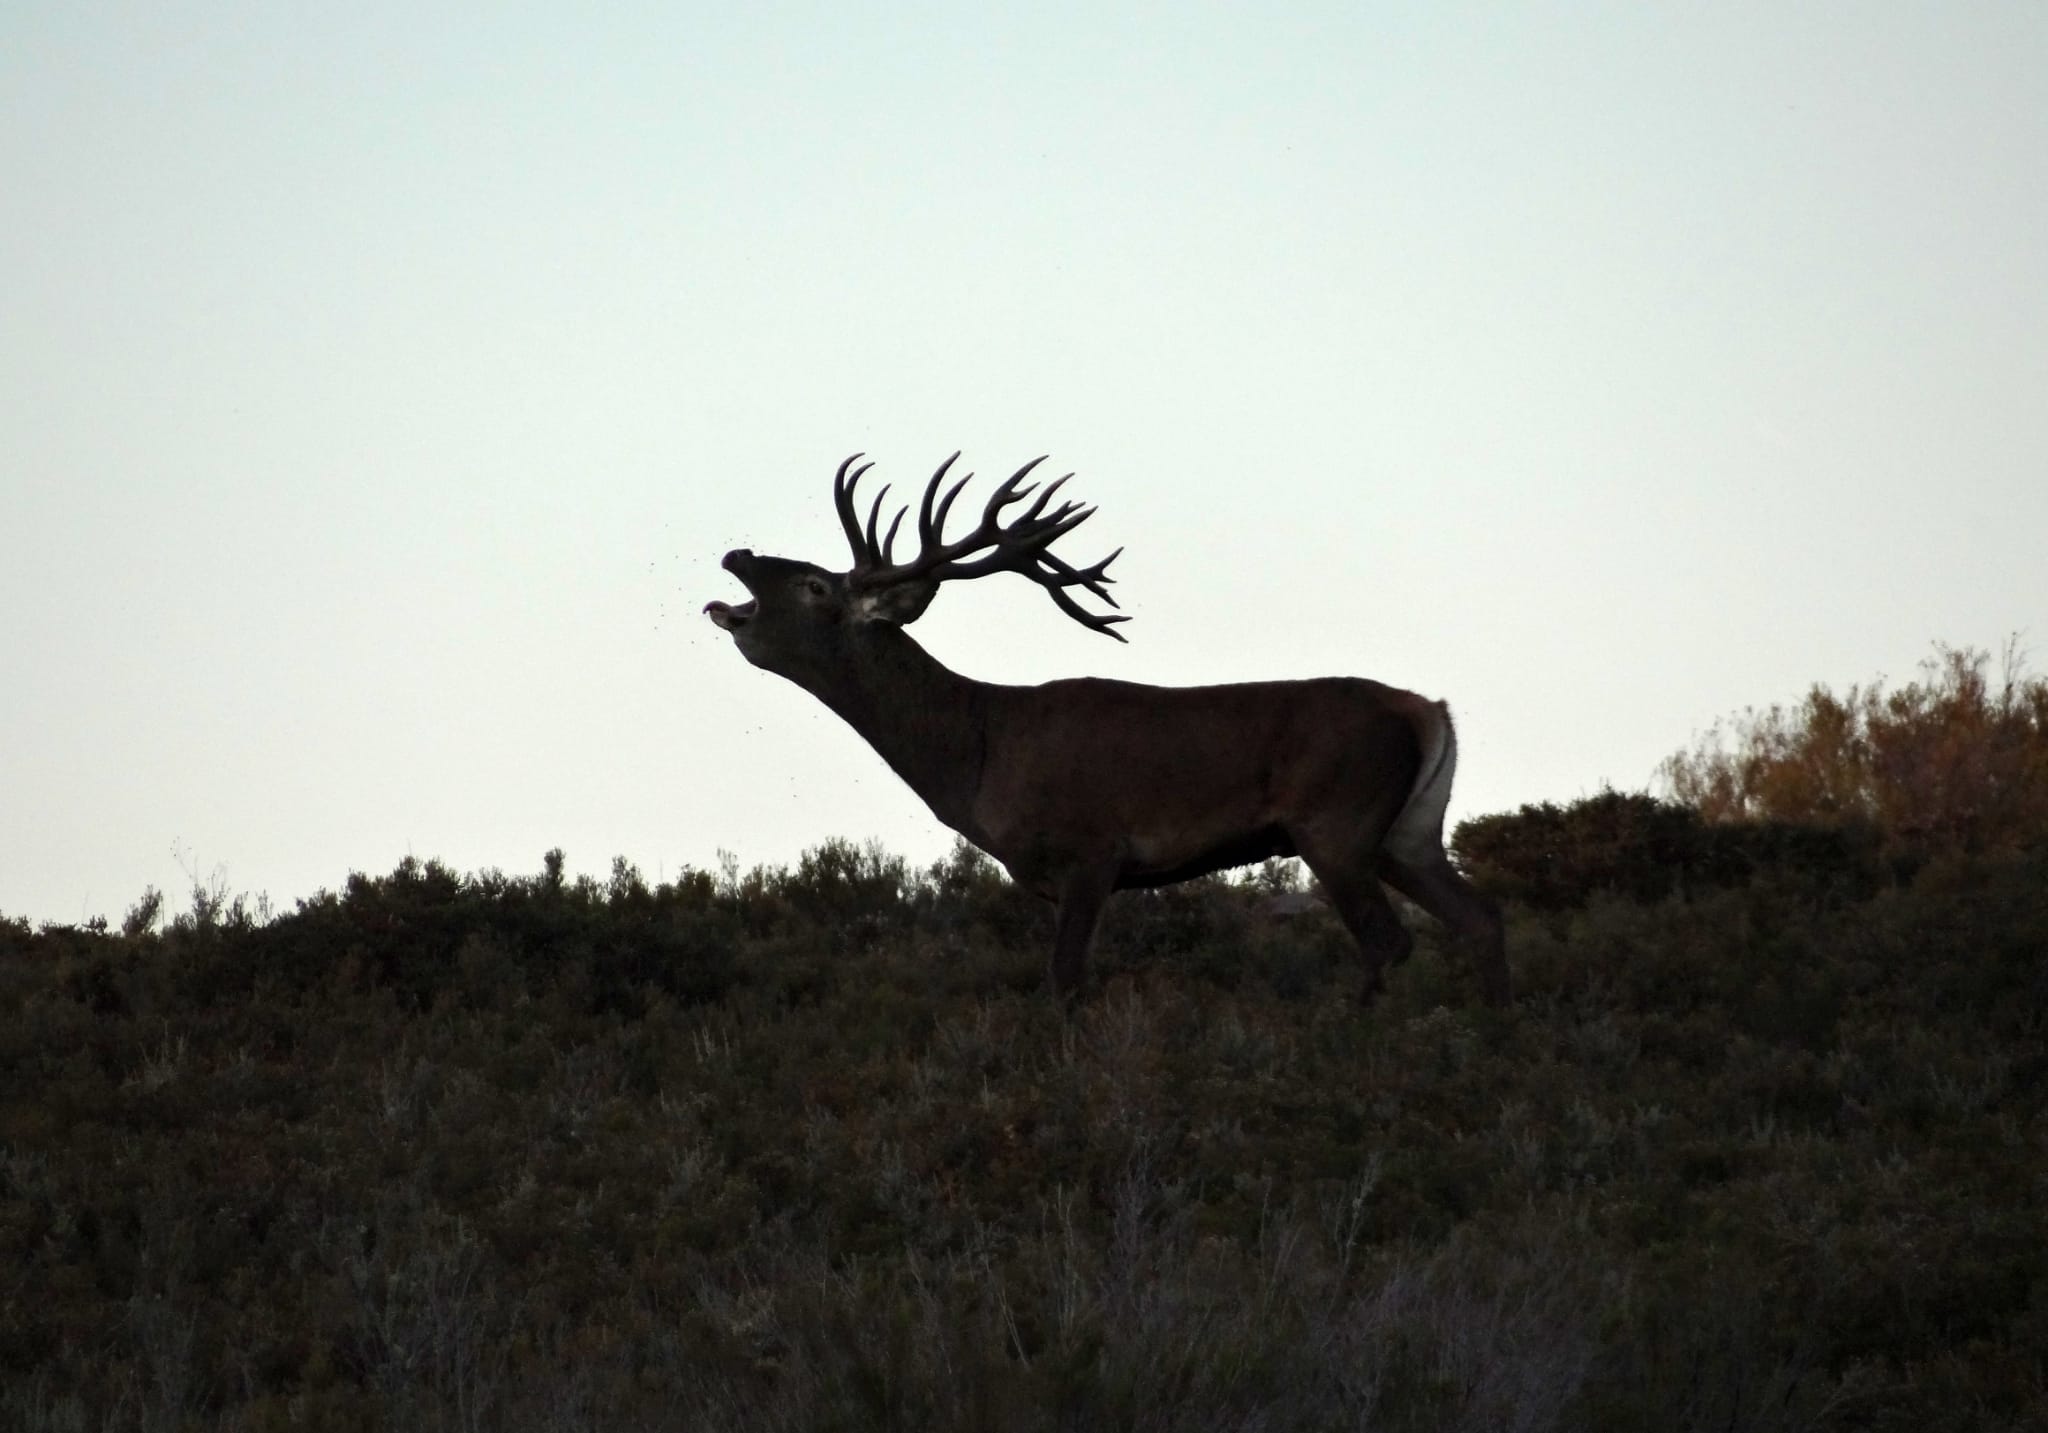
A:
(805, 622)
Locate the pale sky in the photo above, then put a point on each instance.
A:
(380, 385)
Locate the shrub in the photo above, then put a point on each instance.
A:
(1636, 847)
(1943, 764)
(851, 891)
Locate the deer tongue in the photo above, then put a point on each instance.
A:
(729, 617)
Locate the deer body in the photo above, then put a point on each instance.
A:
(1086, 786)
(1181, 781)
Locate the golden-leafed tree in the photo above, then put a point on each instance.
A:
(1952, 760)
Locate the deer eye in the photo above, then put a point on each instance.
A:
(815, 586)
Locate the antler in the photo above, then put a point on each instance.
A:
(1017, 546)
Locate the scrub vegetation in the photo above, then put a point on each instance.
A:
(1760, 1146)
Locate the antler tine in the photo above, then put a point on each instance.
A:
(1094, 621)
(874, 551)
(1095, 578)
(930, 527)
(946, 506)
(1068, 516)
(1058, 523)
(842, 499)
(1008, 492)
(1031, 513)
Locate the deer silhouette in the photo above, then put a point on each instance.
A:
(1087, 786)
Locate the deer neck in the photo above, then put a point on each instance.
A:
(927, 721)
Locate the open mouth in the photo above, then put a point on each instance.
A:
(729, 617)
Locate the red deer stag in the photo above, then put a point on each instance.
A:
(1083, 787)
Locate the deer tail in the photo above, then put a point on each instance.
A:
(1419, 828)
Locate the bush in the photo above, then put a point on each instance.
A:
(1641, 849)
(1943, 764)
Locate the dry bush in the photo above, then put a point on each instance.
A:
(1950, 762)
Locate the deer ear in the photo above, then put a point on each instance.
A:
(898, 603)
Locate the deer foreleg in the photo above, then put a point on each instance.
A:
(1081, 896)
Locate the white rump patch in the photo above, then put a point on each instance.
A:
(1418, 832)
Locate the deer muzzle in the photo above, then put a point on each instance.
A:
(739, 563)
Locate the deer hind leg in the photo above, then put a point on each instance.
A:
(1361, 904)
(1427, 878)
(1411, 859)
